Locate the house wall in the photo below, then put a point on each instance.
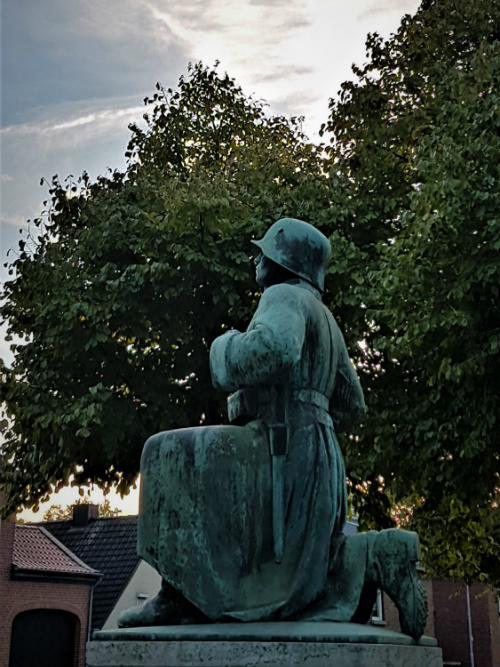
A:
(448, 622)
(482, 625)
(452, 627)
(18, 596)
(145, 581)
(495, 629)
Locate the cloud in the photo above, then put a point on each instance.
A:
(4, 178)
(245, 36)
(269, 3)
(399, 6)
(80, 52)
(64, 139)
(119, 21)
(284, 71)
(71, 132)
(290, 105)
(60, 134)
(103, 49)
(184, 20)
(14, 220)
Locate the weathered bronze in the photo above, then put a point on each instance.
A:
(244, 522)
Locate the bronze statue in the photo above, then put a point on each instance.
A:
(244, 522)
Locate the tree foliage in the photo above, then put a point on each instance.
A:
(134, 275)
(416, 148)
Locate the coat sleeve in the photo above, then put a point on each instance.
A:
(270, 346)
(347, 403)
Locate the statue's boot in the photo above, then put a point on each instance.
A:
(393, 566)
(169, 607)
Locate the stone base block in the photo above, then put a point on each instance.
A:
(269, 644)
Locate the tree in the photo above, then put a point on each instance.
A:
(416, 152)
(408, 193)
(59, 513)
(132, 277)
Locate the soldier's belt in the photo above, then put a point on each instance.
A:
(245, 404)
(275, 402)
(311, 396)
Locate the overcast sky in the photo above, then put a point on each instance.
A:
(74, 74)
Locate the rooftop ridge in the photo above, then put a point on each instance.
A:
(67, 551)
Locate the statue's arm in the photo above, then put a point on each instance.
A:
(264, 353)
(347, 403)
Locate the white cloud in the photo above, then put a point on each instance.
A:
(135, 22)
(66, 139)
(4, 178)
(398, 7)
(71, 131)
(294, 54)
(14, 220)
(58, 51)
(237, 33)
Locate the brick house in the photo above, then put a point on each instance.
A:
(46, 594)
(60, 580)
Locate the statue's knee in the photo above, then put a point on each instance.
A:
(150, 450)
(166, 441)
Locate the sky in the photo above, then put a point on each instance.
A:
(74, 75)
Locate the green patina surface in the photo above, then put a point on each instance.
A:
(351, 633)
(244, 522)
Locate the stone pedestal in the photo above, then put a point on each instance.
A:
(300, 644)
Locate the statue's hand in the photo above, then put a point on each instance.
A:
(218, 369)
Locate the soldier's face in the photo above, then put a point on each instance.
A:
(261, 270)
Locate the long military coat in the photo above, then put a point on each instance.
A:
(206, 500)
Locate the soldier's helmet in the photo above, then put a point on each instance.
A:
(299, 247)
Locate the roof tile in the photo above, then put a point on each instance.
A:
(37, 550)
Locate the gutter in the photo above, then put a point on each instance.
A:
(55, 576)
(91, 604)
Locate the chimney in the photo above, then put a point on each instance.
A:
(84, 513)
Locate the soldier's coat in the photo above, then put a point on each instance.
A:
(206, 498)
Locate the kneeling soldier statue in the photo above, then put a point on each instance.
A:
(244, 522)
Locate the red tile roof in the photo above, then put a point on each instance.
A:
(36, 549)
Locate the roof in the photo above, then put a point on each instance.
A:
(108, 545)
(37, 551)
